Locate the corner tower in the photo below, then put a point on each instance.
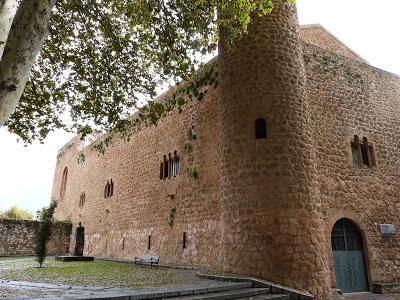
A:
(270, 220)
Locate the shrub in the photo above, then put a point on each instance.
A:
(44, 232)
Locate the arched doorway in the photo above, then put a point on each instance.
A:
(348, 257)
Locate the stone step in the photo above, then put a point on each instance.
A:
(176, 293)
(220, 287)
(267, 297)
(227, 295)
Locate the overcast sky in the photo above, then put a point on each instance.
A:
(369, 27)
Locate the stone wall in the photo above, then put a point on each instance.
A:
(351, 98)
(261, 207)
(119, 227)
(269, 196)
(317, 35)
(17, 238)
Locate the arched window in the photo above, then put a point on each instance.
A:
(175, 169)
(169, 167)
(64, 182)
(261, 128)
(363, 153)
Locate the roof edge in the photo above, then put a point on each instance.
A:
(317, 25)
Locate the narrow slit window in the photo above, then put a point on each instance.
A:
(169, 165)
(356, 152)
(173, 168)
(82, 199)
(184, 240)
(364, 154)
(149, 243)
(161, 171)
(261, 128)
(64, 182)
(368, 154)
(165, 167)
(176, 164)
(106, 190)
(111, 188)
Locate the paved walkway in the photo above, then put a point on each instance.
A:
(365, 296)
(371, 296)
(31, 290)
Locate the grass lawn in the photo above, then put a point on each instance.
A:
(107, 274)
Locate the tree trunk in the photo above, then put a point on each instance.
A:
(26, 37)
(7, 12)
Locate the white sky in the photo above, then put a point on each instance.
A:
(369, 27)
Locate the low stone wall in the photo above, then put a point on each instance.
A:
(18, 238)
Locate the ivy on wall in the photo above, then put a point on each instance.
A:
(171, 217)
(331, 64)
(64, 150)
(149, 115)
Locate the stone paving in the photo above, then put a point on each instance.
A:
(371, 296)
(35, 290)
(365, 296)
(29, 290)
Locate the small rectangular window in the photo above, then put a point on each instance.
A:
(261, 128)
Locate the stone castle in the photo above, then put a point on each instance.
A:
(288, 170)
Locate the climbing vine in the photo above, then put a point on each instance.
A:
(171, 218)
(150, 115)
(81, 157)
(330, 64)
(192, 171)
(188, 147)
(64, 150)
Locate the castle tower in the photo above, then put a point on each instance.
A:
(271, 224)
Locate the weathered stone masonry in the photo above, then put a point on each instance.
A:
(18, 238)
(262, 207)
